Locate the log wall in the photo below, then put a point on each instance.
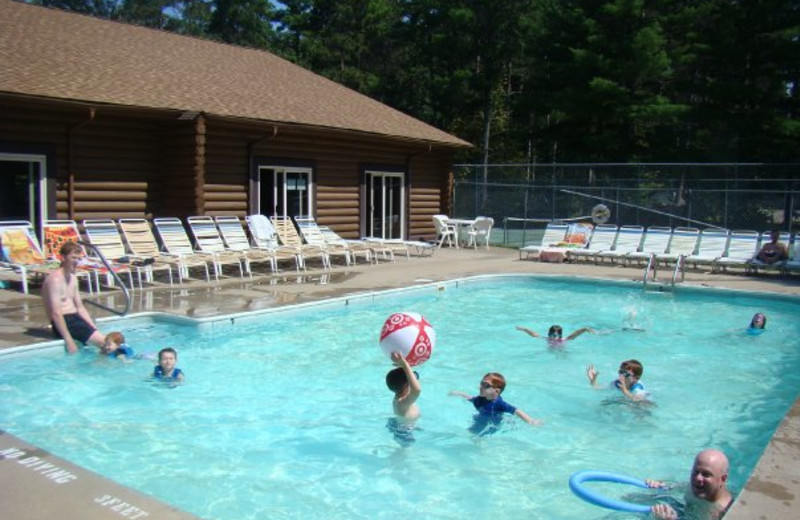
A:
(115, 163)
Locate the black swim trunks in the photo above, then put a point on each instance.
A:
(77, 327)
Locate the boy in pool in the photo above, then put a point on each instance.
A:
(491, 406)
(115, 346)
(627, 381)
(166, 369)
(404, 382)
(555, 334)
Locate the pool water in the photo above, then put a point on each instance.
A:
(284, 415)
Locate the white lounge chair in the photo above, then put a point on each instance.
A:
(793, 263)
(232, 232)
(603, 238)
(57, 232)
(177, 243)
(742, 247)
(655, 242)
(208, 240)
(682, 244)
(628, 240)
(369, 251)
(309, 230)
(289, 237)
(264, 236)
(105, 236)
(22, 253)
(711, 246)
(553, 235)
(142, 243)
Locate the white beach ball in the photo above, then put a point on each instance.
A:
(410, 334)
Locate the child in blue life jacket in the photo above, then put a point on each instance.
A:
(166, 369)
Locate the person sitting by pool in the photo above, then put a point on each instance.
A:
(491, 406)
(63, 305)
(115, 346)
(627, 381)
(773, 251)
(555, 334)
(709, 498)
(757, 324)
(166, 369)
(404, 382)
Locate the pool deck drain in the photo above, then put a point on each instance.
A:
(28, 475)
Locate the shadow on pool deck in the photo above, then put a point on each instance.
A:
(29, 493)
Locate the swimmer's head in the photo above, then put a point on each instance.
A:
(759, 321)
(397, 381)
(633, 367)
(113, 341)
(555, 332)
(493, 380)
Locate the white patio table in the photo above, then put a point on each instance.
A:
(460, 223)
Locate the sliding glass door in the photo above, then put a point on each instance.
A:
(284, 192)
(386, 213)
(23, 188)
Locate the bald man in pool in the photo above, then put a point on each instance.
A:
(709, 498)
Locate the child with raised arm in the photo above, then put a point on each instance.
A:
(404, 382)
(555, 334)
(627, 380)
(491, 406)
(166, 369)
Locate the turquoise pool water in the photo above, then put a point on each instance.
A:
(284, 415)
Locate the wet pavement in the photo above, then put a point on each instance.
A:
(771, 493)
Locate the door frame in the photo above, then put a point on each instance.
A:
(368, 175)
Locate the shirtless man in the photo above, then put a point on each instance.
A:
(63, 305)
(709, 498)
(773, 251)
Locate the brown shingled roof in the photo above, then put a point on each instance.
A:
(56, 54)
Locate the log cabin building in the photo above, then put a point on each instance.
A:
(100, 119)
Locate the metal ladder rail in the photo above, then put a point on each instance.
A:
(117, 279)
(651, 264)
(680, 267)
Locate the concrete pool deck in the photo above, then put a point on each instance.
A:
(27, 481)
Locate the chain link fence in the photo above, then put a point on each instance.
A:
(523, 198)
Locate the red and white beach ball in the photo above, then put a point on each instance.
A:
(410, 334)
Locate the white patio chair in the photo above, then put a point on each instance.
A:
(444, 231)
(482, 228)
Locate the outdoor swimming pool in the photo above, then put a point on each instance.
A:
(284, 415)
